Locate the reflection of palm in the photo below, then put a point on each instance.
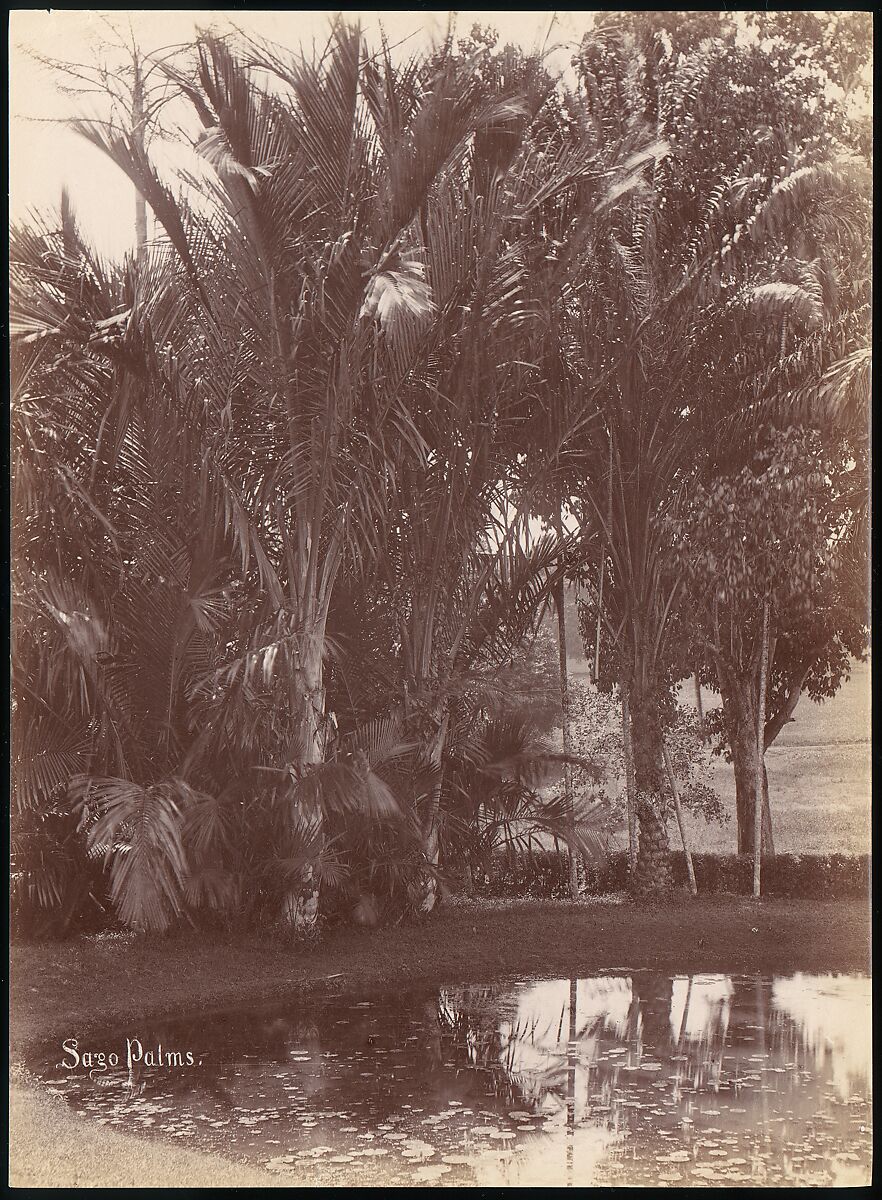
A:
(652, 999)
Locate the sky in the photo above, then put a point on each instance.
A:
(46, 155)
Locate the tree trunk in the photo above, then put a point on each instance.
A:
(300, 906)
(139, 139)
(741, 721)
(559, 601)
(759, 777)
(675, 792)
(653, 873)
(431, 833)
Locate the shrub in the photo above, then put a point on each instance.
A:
(545, 875)
(56, 888)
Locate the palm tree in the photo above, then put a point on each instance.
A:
(459, 576)
(302, 281)
(119, 573)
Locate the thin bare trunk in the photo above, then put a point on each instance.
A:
(559, 600)
(760, 753)
(599, 618)
(678, 808)
(139, 137)
(630, 787)
(603, 571)
(699, 704)
(768, 833)
(431, 838)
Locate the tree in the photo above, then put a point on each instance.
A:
(286, 349)
(130, 88)
(598, 736)
(120, 573)
(776, 534)
(321, 203)
(700, 239)
(459, 575)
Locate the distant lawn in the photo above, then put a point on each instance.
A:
(820, 799)
(819, 779)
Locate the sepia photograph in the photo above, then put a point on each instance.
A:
(440, 598)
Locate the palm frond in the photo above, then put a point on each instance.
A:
(142, 828)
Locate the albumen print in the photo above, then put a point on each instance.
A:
(440, 598)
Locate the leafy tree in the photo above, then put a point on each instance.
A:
(778, 532)
(832, 51)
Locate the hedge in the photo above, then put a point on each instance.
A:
(791, 876)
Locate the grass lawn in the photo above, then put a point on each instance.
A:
(820, 798)
(819, 779)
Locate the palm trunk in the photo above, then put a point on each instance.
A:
(653, 853)
(760, 752)
(630, 786)
(431, 833)
(301, 903)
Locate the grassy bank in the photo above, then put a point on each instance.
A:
(65, 988)
(51, 1146)
(819, 777)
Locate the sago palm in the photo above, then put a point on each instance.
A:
(260, 381)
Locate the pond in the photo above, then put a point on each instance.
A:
(622, 1078)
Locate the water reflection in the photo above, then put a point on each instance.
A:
(829, 1013)
(700, 1006)
(616, 1079)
